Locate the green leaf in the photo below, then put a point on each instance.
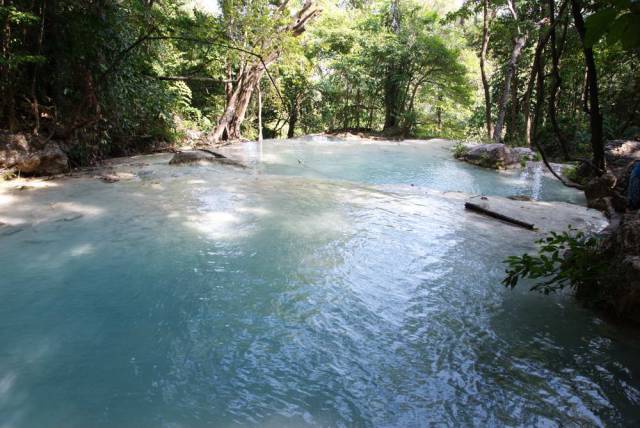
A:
(598, 24)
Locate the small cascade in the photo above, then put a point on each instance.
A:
(536, 181)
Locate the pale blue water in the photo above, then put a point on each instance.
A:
(282, 295)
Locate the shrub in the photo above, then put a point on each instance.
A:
(567, 259)
(459, 150)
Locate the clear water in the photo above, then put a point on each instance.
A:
(212, 296)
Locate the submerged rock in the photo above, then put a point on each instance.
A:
(200, 157)
(31, 155)
(116, 176)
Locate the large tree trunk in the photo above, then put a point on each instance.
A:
(518, 45)
(483, 59)
(242, 101)
(236, 108)
(597, 144)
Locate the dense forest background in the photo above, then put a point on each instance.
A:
(114, 77)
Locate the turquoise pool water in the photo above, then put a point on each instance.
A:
(325, 292)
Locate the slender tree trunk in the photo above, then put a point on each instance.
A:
(345, 114)
(539, 100)
(597, 143)
(511, 70)
(357, 109)
(34, 81)
(8, 97)
(259, 113)
(518, 44)
(439, 111)
(585, 91)
(392, 86)
(555, 80)
(483, 59)
(526, 99)
(293, 118)
(513, 119)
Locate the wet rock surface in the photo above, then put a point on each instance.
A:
(202, 157)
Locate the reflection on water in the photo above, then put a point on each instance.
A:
(211, 296)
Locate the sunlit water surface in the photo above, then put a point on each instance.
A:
(317, 288)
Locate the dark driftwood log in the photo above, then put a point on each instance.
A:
(481, 210)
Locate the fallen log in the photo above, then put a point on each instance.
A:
(477, 208)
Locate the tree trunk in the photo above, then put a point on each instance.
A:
(234, 114)
(526, 99)
(539, 100)
(597, 144)
(7, 106)
(391, 102)
(513, 119)
(293, 118)
(555, 80)
(345, 109)
(511, 70)
(439, 112)
(35, 107)
(518, 45)
(483, 72)
(259, 113)
(392, 86)
(357, 109)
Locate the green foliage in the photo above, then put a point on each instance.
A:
(459, 150)
(357, 55)
(618, 20)
(567, 259)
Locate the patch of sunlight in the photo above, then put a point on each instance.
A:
(12, 221)
(157, 186)
(174, 214)
(198, 181)
(81, 250)
(217, 225)
(74, 207)
(259, 211)
(27, 183)
(6, 199)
